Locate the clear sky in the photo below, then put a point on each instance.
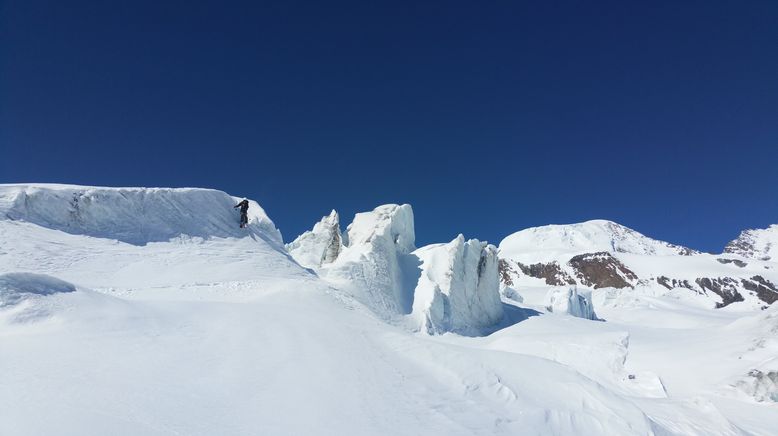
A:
(488, 117)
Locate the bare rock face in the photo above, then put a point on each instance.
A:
(737, 262)
(765, 289)
(551, 272)
(673, 283)
(602, 270)
(725, 287)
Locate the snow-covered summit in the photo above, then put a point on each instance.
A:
(133, 215)
(586, 237)
(761, 244)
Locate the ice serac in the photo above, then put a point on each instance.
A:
(572, 301)
(459, 287)
(319, 246)
(761, 244)
(375, 263)
(136, 216)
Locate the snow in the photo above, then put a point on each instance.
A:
(189, 325)
(16, 287)
(319, 246)
(375, 264)
(571, 300)
(459, 288)
(538, 243)
(759, 244)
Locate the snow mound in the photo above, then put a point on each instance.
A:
(319, 246)
(572, 301)
(587, 237)
(759, 244)
(133, 215)
(459, 287)
(17, 287)
(375, 263)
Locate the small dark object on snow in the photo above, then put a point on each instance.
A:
(632, 376)
(244, 210)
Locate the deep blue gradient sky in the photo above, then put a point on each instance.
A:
(488, 117)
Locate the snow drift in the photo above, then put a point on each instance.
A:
(133, 215)
(17, 287)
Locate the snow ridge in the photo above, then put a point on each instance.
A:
(133, 215)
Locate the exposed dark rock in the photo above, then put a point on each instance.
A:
(737, 262)
(725, 287)
(551, 272)
(507, 272)
(673, 283)
(765, 290)
(601, 270)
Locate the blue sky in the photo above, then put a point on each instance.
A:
(488, 117)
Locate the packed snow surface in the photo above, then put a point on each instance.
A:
(148, 311)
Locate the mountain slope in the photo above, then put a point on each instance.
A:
(197, 327)
(761, 244)
(603, 254)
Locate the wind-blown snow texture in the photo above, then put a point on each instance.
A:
(148, 311)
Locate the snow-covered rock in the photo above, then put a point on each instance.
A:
(133, 215)
(319, 246)
(571, 300)
(375, 263)
(761, 244)
(459, 287)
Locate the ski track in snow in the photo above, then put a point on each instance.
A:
(227, 335)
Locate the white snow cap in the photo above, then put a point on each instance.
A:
(587, 237)
(459, 287)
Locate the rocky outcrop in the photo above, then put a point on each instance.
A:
(319, 246)
(459, 287)
(764, 289)
(725, 287)
(761, 244)
(737, 262)
(602, 270)
(551, 272)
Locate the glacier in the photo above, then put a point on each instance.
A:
(148, 311)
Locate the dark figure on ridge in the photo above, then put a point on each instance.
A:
(244, 210)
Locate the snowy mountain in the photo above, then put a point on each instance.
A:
(131, 311)
(761, 244)
(602, 254)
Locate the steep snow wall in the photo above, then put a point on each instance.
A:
(572, 301)
(375, 262)
(459, 287)
(133, 215)
(319, 246)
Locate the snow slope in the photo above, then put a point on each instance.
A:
(603, 254)
(759, 244)
(198, 328)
